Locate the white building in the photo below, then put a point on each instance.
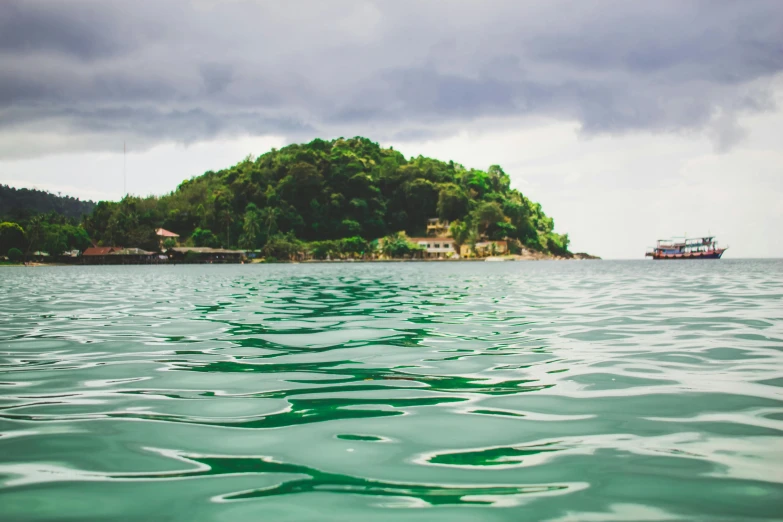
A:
(437, 246)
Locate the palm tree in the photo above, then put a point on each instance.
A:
(269, 219)
(459, 231)
(251, 228)
(34, 229)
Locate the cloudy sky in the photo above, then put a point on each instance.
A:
(628, 121)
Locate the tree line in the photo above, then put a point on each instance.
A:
(21, 204)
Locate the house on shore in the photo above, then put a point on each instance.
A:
(98, 255)
(437, 227)
(486, 248)
(436, 247)
(135, 256)
(164, 235)
(114, 255)
(204, 255)
(40, 256)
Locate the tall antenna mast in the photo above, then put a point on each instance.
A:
(124, 175)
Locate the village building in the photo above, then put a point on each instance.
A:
(437, 228)
(114, 255)
(134, 256)
(40, 256)
(486, 248)
(436, 247)
(163, 235)
(98, 255)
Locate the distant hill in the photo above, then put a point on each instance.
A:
(20, 204)
(327, 190)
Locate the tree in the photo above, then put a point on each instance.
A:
(35, 228)
(324, 249)
(251, 228)
(498, 179)
(77, 238)
(15, 255)
(452, 202)
(283, 246)
(397, 245)
(473, 237)
(349, 226)
(487, 213)
(354, 246)
(558, 244)
(421, 202)
(227, 219)
(204, 238)
(461, 233)
(141, 237)
(502, 230)
(477, 182)
(12, 235)
(268, 217)
(55, 241)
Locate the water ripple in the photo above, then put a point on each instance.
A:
(508, 391)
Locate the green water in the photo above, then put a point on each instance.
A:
(519, 391)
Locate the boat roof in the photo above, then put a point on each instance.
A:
(684, 239)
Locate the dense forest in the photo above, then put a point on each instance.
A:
(33, 220)
(323, 196)
(328, 190)
(22, 204)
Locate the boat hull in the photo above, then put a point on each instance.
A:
(694, 255)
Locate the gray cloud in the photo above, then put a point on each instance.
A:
(188, 70)
(33, 27)
(216, 76)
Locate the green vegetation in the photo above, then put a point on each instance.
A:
(204, 238)
(11, 236)
(332, 198)
(15, 255)
(21, 204)
(40, 221)
(328, 199)
(397, 245)
(55, 234)
(50, 233)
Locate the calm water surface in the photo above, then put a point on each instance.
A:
(420, 391)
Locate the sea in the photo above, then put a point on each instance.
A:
(452, 391)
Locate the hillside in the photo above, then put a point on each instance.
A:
(327, 190)
(21, 204)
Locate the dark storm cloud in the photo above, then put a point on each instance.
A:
(187, 70)
(81, 29)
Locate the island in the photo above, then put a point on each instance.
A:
(341, 199)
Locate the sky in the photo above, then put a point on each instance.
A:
(627, 121)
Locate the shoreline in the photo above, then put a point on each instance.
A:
(325, 261)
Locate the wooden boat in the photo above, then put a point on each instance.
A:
(687, 248)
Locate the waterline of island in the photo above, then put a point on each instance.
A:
(576, 257)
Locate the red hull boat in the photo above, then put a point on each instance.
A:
(689, 248)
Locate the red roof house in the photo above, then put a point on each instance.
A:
(162, 232)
